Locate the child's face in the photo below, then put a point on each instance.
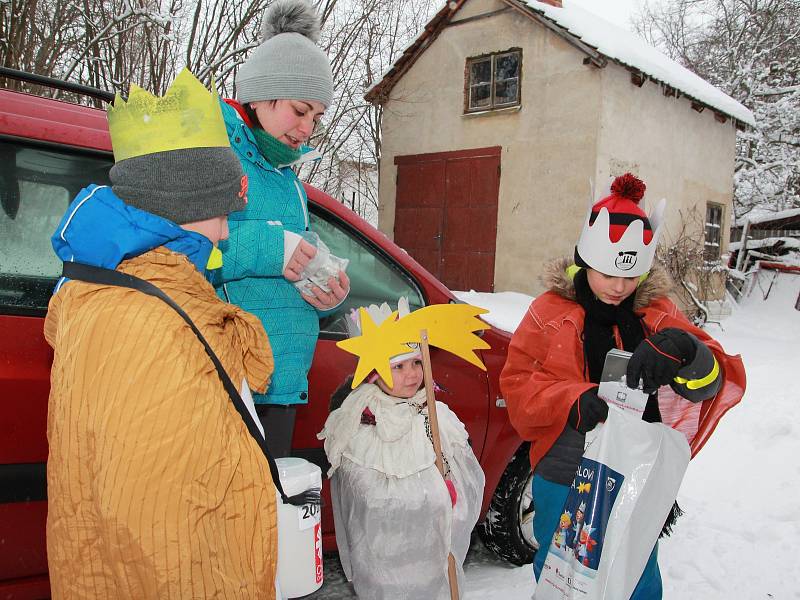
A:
(289, 121)
(611, 290)
(215, 228)
(406, 376)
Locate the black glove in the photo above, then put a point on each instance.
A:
(587, 411)
(658, 358)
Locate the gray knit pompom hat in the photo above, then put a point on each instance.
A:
(288, 64)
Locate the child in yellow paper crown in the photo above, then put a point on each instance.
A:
(156, 489)
(396, 518)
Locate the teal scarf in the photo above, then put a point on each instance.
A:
(276, 152)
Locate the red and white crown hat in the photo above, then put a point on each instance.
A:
(618, 238)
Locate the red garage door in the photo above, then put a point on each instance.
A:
(446, 214)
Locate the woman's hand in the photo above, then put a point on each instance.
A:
(301, 256)
(322, 300)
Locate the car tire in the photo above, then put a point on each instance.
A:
(508, 528)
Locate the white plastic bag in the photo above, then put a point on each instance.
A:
(622, 493)
(614, 387)
(321, 268)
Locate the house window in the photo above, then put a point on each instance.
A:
(492, 81)
(713, 237)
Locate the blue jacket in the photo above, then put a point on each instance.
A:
(252, 272)
(101, 230)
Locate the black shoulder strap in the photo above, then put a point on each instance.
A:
(99, 275)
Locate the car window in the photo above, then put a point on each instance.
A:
(374, 277)
(36, 186)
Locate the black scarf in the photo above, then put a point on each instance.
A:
(598, 329)
(598, 334)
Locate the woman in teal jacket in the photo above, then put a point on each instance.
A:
(282, 91)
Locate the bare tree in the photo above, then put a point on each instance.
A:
(218, 36)
(367, 36)
(125, 43)
(34, 35)
(686, 262)
(111, 44)
(103, 43)
(751, 50)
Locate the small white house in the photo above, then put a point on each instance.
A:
(500, 113)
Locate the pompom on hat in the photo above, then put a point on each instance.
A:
(288, 64)
(618, 238)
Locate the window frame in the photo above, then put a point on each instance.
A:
(42, 283)
(492, 57)
(392, 263)
(712, 248)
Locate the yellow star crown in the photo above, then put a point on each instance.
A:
(187, 116)
(450, 327)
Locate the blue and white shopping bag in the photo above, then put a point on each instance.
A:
(622, 493)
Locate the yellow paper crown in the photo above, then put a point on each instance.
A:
(188, 116)
(449, 326)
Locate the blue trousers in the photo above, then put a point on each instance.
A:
(548, 502)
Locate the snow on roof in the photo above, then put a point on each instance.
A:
(765, 216)
(506, 309)
(625, 47)
(786, 242)
(387, 70)
(407, 56)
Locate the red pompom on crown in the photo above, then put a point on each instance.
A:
(629, 186)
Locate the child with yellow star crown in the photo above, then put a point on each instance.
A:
(396, 518)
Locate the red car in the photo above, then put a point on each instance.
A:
(51, 149)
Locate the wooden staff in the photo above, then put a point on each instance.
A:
(437, 444)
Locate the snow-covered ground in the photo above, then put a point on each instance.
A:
(740, 494)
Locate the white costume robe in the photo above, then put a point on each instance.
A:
(395, 522)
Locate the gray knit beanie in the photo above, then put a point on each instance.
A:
(288, 64)
(184, 186)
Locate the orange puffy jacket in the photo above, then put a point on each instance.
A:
(544, 373)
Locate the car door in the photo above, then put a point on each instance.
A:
(376, 277)
(37, 183)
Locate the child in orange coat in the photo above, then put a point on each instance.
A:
(611, 295)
